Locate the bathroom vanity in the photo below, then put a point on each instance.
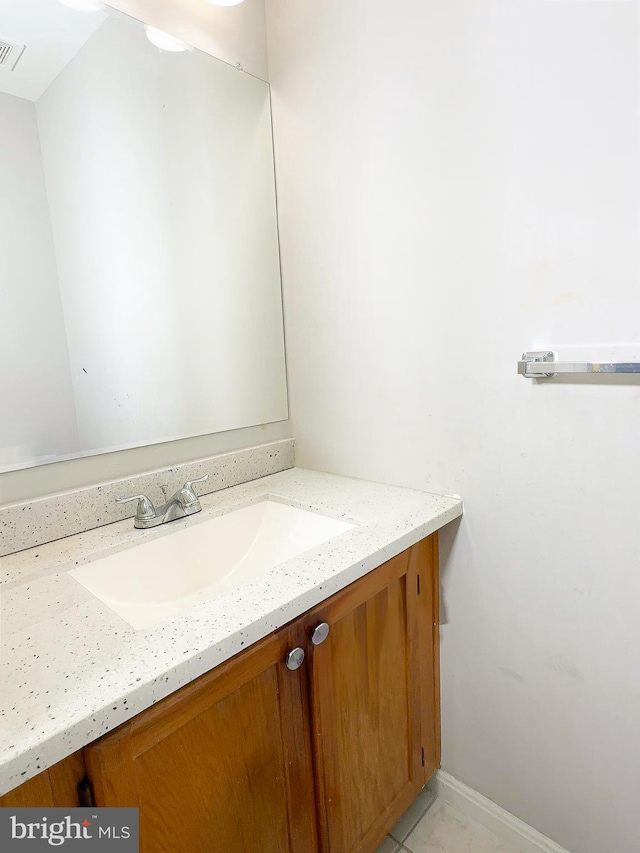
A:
(271, 749)
(308, 721)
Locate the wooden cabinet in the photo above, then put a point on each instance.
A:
(257, 756)
(57, 787)
(374, 716)
(223, 764)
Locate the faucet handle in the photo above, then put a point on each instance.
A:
(189, 497)
(189, 486)
(145, 508)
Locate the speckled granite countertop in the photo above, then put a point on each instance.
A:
(71, 669)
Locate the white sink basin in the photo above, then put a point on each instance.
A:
(160, 578)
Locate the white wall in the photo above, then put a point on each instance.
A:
(32, 332)
(458, 182)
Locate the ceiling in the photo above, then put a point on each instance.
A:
(52, 33)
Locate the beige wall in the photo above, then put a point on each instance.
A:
(458, 182)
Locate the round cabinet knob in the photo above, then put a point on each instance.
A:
(295, 659)
(320, 634)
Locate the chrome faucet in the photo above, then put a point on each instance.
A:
(184, 502)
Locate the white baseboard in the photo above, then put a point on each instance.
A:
(502, 823)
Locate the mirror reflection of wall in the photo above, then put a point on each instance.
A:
(140, 290)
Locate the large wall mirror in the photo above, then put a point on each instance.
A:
(140, 296)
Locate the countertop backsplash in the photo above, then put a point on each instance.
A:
(26, 525)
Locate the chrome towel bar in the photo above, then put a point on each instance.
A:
(543, 365)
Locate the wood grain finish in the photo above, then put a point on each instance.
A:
(35, 792)
(233, 791)
(112, 770)
(57, 786)
(366, 695)
(221, 765)
(295, 711)
(425, 554)
(64, 778)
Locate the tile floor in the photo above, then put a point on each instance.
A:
(431, 825)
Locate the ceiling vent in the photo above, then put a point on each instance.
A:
(10, 53)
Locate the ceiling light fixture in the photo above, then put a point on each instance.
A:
(164, 41)
(84, 5)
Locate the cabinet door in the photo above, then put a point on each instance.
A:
(222, 765)
(373, 691)
(57, 786)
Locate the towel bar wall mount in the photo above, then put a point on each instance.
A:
(544, 365)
